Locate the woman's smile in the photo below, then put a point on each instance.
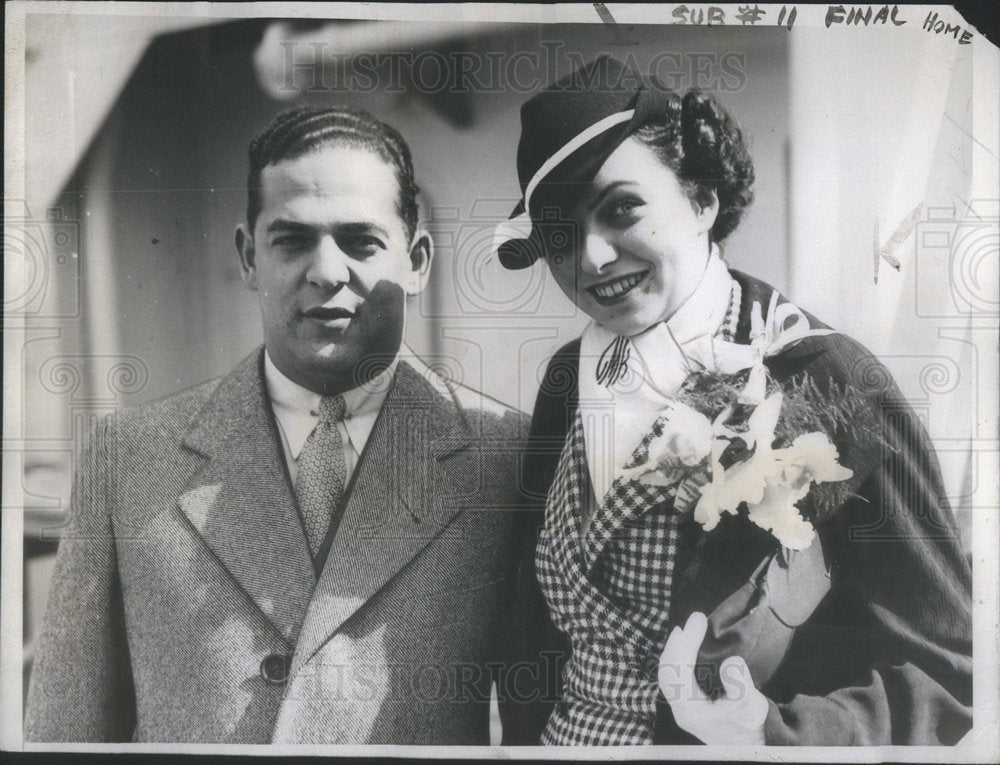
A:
(615, 290)
(643, 243)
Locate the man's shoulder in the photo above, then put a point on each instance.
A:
(173, 414)
(169, 415)
(500, 419)
(489, 416)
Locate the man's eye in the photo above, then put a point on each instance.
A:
(363, 243)
(289, 241)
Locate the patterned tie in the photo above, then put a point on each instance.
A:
(322, 470)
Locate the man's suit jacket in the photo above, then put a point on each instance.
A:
(876, 648)
(185, 606)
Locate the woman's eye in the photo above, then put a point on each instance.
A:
(625, 207)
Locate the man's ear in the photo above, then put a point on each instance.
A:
(706, 208)
(245, 250)
(421, 254)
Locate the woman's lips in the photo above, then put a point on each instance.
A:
(614, 290)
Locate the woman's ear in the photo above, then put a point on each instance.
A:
(421, 254)
(247, 255)
(706, 208)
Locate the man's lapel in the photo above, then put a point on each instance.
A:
(404, 492)
(240, 501)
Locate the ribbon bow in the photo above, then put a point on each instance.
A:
(784, 326)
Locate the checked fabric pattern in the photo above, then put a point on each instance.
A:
(609, 591)
(322, 470)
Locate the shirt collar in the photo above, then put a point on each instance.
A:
(703, 312)
(297, 408)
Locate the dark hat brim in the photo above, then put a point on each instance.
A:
(555, 111)
(515, 254)
(559, 193)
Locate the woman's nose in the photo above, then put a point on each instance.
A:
(596, 253)
(329, 265)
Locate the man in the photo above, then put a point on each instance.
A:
(320, 547)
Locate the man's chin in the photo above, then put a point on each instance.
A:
(337, 363)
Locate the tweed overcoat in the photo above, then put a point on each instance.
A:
(867, 638)
(185, 606)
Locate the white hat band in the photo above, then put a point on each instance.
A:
(520, 227)
(572, 145)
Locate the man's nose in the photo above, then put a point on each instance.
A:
(329, 265)
(595, 254)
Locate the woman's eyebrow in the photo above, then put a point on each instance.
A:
(607, 190)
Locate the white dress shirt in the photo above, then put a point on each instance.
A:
(296, 410)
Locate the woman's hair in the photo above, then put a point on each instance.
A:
(300, 130)
(706, 150)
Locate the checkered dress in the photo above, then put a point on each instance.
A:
(609, 591)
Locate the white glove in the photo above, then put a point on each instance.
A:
(734, 718)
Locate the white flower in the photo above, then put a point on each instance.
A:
(762, 422)
(771, 481)
(685, 443)
(688, 453)
(777, 513)
(745, 481)
(687, 433)
(728, 489)
(816, 457)
(706, 512)
(756, 387)
(812, 458)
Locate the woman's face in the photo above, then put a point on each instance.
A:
(641, 244)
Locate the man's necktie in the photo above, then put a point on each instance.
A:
(322, 470)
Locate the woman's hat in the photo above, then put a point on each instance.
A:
(568, 130)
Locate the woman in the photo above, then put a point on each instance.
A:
(726, 481)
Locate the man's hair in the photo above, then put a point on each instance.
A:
(304, 129)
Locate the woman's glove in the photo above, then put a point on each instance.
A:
(735, 717)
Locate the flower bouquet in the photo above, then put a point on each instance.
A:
(733, 436)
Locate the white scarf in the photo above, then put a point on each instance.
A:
(617, 416)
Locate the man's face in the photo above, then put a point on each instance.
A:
(331, 263)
